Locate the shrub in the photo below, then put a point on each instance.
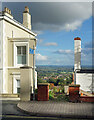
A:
(62, 97)
(55, 90)
(51, 95)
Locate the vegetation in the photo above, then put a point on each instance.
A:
(58, 77)
(51, 95)
(57, 94)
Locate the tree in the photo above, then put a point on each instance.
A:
(51, 80)
(41, 81)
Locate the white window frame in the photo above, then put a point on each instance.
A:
(15, 53)
(18, 86)
(15, 78)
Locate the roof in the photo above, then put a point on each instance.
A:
(86, 71)
(16, 23)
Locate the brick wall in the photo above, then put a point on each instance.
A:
(43, 92)
(86, 99)
(74, 93)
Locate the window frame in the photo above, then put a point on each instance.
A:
(18, 87)
(21, 54)
(15, 78)
(15, 53)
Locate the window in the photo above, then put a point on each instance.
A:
(18, 86)
(21, 54)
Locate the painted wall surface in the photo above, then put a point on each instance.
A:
(86, 81)
(1, 48)
(1, 78)
(31, 43)
(27, 17)
(11, 31)
(11, 73)
(1, 56)
(15, 32)
(35, 79)
(25, 83)
(4, 48)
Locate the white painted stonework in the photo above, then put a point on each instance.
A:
(0, 44)
(13, 34)
(86, 81)
(77, 53)
(1, 70)
(35, 79)
(27, 17)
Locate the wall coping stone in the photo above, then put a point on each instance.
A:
(72, 85)
(44, 84)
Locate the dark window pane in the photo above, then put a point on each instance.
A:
(18, 90)
(18, 49)
(24, 50)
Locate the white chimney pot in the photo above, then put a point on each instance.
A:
(77, 53)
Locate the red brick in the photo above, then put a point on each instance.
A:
(43, 92)
(87, 99)
(74, 93)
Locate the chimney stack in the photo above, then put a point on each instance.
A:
(7, 12)
(77, 53)
(27, 18)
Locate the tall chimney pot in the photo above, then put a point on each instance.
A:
(5, 9)
(26, 9)
(77, 53)
(7, 12)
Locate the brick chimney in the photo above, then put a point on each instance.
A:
(77, 53)
(27, 18)
(7, 12)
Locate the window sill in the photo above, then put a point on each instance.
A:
(20, 65)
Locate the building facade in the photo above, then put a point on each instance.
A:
(17, 49)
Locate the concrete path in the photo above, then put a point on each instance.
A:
(58, 109)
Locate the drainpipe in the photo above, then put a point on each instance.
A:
(75, 77)
(34, 73)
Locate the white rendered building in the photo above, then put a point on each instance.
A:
(17, 42)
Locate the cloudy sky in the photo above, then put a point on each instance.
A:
(57, 24)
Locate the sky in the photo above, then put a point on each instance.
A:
(56, 25)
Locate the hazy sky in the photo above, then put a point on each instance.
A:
(57, 24)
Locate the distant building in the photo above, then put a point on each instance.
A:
(84, 77)
(16, 50)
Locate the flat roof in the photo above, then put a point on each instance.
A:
(85, 71)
